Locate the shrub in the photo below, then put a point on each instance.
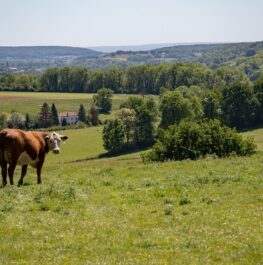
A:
(93, 116)
(191, 140)
(103, 100)
(174, 107)
(3, 120)
(113, 136)
(16, 120)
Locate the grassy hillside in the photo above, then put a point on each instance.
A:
(30, 102)
(120, 211)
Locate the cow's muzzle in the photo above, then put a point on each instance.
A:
(56, 151)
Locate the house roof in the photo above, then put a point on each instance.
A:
(67, 114)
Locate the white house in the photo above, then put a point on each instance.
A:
(69, 117)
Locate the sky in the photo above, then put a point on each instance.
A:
(84, 23)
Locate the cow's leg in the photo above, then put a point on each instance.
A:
(11, 170)
(39, 167)
(23, 173)
(4, 171)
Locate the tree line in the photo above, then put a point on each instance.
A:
(48, 118)
(140, 79)
(202, 112)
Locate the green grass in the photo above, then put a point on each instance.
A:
(82, 144)
(258, 137)
(31, 102)
(121, 211)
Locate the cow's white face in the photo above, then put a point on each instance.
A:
(53, 140)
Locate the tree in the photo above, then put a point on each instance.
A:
(145, 115)
(144, 130)
(96, 80)
(151, 105)
(3, 120)
(82, 114)
(128, 118)
(132, 103)
(113, 78)
(239, 105)
(113, 136)
(28, 122)
(64, 80)
(49, 81)
(54, 115)
(103, 100)
(174, 107)
(78, 77)
(191, 140)
(64, 122)
(258, 87)
(44, 118)
(212, 105)
(94, 115)
(228, 76)
(16, 120)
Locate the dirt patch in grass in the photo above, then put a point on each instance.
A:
(8, 98)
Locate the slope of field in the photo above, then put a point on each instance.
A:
(121, 211)
(30, 102)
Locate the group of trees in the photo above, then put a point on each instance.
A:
(19, 82)
(192, 120)
(192, 140)
(238, 105)
(92, 118)
(47, 117)
(140, 79)
(134, 126)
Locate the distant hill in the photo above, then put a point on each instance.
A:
(246, 56)
(138, 48)
(210, 54)
(35, 59)
(145, 47)
(38, 52)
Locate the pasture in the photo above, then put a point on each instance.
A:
(121, 211)
(31, 102)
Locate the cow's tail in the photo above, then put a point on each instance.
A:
(3, 163)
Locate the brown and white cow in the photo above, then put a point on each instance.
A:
(23, 148)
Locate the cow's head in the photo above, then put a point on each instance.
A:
(53, 140)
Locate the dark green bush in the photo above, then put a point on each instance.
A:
(192, 140)
(113, 136)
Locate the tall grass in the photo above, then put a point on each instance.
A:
(121, 211)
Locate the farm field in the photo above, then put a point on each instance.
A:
(120, 211)
(31, 102)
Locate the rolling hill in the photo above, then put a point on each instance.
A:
(37, 58)
(44, 52)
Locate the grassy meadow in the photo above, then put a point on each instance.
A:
(121, 211)
(31, 102)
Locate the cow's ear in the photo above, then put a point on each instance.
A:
(63, 138)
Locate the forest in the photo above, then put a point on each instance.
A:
(140, 79)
